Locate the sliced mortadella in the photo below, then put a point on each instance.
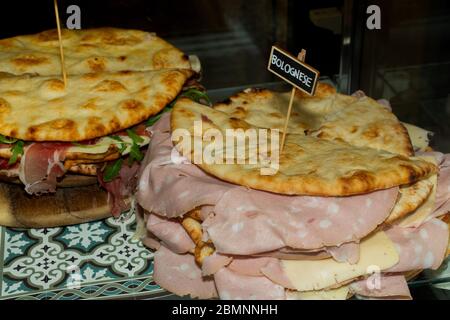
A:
(382, 286)
(169, 185)
(179, 274)
(249, 222)
(442, 205)
(347, 252)
(234, 286)
(419, 248)
(171, 233)
(214, 263)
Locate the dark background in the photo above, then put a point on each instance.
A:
(406, 62)
(232, 38)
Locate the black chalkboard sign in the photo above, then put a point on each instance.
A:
(292, 70)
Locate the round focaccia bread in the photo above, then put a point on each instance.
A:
(91, 106)
(360, 121)
(67, 206)
(89, 51)
(268, 109)
(308, 165)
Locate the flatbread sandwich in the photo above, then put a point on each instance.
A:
(355, 206)
(91, 132)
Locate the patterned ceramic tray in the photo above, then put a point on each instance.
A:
(98, 260)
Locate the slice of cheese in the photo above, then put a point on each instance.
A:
(332, 294)
(419, 137)
(377, 252)
(103, 144)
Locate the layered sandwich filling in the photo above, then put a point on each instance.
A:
(113, 159)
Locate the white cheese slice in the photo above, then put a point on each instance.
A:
(377, 252)
(419, 137)
(103, 144)
(332, 294)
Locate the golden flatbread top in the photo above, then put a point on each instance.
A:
(360, 121)
(89, 51)
(92, 105)
(309, 165)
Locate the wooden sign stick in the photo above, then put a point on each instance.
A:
(301, 57)
(61, 50)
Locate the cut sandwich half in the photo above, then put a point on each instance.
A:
(93, 131)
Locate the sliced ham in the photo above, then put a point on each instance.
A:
(171, 233)
(259, 221)
(420, 248)
(274, 271)
(384, 287)
(234, 286)
(442, 201)
(347, 252)
(214, 263)
(442, 205)
(251, 230)
(179, 274)
(41, 165)
(172, 189)
(247, 222)
(249, 266)
(151, 242)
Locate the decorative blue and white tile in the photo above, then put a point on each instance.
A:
(98, 260)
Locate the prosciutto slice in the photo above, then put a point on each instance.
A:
(41, 165)
(179, 274)
(3, 164)
(120, 188)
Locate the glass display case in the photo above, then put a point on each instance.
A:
(406, 61)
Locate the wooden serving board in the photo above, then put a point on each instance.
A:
(67, 206)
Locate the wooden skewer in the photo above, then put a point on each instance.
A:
(61, 50)
(301, 56)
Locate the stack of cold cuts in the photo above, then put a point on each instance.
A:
(358, 204)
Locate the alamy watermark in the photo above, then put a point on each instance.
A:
(374, 19)
(74, 277)
(74, 20)
(259, 147)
